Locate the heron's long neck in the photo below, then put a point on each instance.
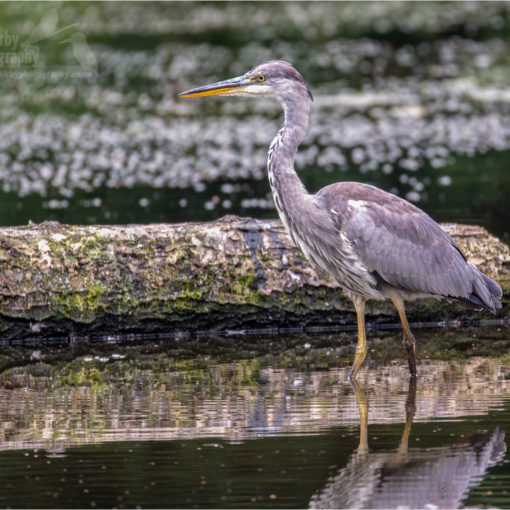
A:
(288, 191)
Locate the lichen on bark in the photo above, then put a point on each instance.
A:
(230, 273)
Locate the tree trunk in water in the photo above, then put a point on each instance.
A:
(230, 274)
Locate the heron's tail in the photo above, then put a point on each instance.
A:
(494, 290)
(486, 293)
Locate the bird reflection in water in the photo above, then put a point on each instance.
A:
(433, 478)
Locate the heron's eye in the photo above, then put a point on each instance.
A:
(261, 78)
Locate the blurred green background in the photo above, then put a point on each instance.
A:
(409, 96)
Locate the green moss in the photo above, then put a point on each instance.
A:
(186, 301)
(85, 376)
(247, 281)
(80, 306)
(256, 298)
(195, 295)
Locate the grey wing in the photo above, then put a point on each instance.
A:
(399, 243)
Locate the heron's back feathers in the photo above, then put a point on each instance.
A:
(404, 248)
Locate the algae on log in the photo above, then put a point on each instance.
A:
(232, 273)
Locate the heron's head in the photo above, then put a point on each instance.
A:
(275, 79)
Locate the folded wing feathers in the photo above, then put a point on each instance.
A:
(404, 245)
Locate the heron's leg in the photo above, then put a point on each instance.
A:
(408, 341)
(361, 347)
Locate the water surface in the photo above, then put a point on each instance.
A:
(255, 433)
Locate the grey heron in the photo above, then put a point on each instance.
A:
(373, 243)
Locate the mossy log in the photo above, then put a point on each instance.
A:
(228, 274)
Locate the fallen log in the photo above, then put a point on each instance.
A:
(230, 274)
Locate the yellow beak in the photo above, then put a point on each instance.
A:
(221, 88)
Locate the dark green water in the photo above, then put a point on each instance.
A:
(125, 429)
(271, 472)
(479, 197)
